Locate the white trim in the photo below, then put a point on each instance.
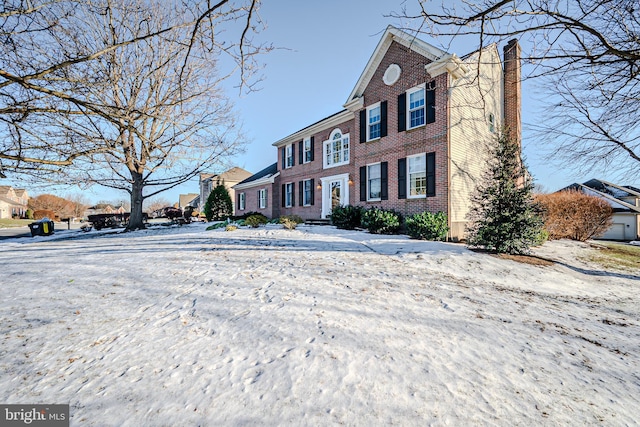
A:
(260, 199)
(257, 182)
(304, 191)
(328, 123)
(423, 88)
(293, 189)
(242, 202)
(368, 124)
(304, 149)
(326, 192)
(390, 35)
(329, 142)
(448, 64)
(392, 74)
(367, 178)
(408, 175)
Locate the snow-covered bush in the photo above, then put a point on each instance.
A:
(381, 221)
(346, 217)
(427, 226)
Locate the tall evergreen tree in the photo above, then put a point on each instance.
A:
(219, 205)
(504, 217)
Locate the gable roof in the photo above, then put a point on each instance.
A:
(390, 35)
(612, 193)
(266, 175)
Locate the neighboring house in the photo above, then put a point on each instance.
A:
(103, 208)
(255, 194)
(625, 201)
(13, 202)
(191, 199)
(229, 178)
(413, 135)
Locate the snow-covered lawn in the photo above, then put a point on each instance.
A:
(317, 326)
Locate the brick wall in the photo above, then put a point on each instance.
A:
(252, 203)
(396, 145)
(314, 169)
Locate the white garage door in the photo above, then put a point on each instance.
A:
(615, 232)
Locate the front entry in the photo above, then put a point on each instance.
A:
(335, 192)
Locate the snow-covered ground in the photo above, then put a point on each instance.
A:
(317, 326)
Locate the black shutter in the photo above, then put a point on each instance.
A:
(402, 112)
(258, 201)
(383, 119)
(312, 141)
(402, 178)
(293, 154)
(363, 126)
(300, 152)
(313, 188)
(384, 182)
(363, 183)
(284, 196)
(284, 157)
(431, 174)
(300, 192)
(431, 105)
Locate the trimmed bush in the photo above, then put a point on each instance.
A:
(231, 227)
(427, 226)
(347, 217)
(295, 218)
(255, 221)
(575, 215)
(381, 221)
(44, 213)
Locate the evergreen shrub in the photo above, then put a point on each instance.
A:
(346, 217)
(381, 221)
(427, 226)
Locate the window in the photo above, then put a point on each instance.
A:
(288, 195)
(373, 122)
(307, 192)
(417, 176)
(417, 173)
(241, 201)
(373, 182)
(416, 108)
(336, 149)
(308, 150)
(289, 156)
(262, 198)
(492, 123)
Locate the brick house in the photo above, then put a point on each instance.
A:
(413, 135)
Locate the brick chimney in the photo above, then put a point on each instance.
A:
(512, 91)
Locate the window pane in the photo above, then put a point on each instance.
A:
(374, 123)
(416, 108)
(374, 181)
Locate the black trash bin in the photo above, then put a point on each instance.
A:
(44, 227)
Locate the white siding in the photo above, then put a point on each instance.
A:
(471, 100)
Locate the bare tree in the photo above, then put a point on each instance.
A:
(156, 203)
(138, 104)
(587, 54)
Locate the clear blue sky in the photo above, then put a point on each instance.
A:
(324, 47)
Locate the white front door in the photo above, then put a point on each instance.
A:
(335, 192)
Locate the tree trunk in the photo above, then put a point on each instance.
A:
(135, 220)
